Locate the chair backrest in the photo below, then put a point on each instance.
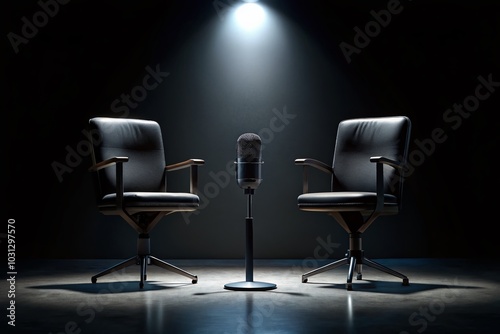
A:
(139, 140)
(357, 141)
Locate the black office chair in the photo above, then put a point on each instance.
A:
(366, 183)
(129, 170)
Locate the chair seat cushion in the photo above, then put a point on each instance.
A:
(152, 201)
(344, 201)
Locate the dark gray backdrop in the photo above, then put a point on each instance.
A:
(290, 83)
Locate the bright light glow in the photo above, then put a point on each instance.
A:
(249, 15)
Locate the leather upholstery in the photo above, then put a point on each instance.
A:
(354, 175)
(357, 141)
(144, 174)
(343, 201)
(141, 141)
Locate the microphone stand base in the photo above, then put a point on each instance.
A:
(250, 286)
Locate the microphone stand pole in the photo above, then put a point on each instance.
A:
(249, 238)
(249, 284)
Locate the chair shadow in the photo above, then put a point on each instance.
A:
(391, 287)
(110, 287)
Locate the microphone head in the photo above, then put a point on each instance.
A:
(249, 148)
(249, 161)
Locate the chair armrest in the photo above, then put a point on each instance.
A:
(380, 161)
(308, 162)
(387, 161)
(193, 176)
(118, 161)
(107, 163)
(314, 163)
(185, 164)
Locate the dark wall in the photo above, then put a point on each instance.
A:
(434, 61)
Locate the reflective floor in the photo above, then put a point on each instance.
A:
(444, 296)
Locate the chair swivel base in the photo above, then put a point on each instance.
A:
(355, 261)
(250, 286)
(145, 260)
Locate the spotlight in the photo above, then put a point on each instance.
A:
(249, 15)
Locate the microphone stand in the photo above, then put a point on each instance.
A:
(249, 283)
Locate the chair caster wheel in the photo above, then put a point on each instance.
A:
(304, 280)
(406, 281)
(194, 281)
(359, 277)
(348, 286)
(93, 280)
